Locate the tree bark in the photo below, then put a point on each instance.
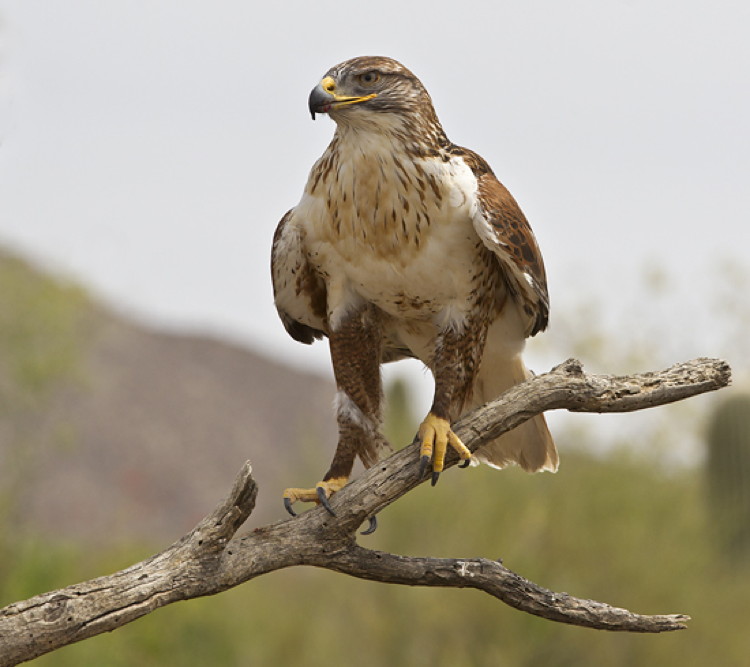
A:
(211, 559)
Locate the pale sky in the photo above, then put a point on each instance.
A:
(150, 147)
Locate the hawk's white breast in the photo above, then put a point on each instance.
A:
(396, 231)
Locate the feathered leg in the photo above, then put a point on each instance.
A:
(355, 345)
(454, 365)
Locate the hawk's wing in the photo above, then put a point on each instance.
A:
(503, 228)
(298, 292)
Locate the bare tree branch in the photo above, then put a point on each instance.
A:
(492, 578)
(210, 559)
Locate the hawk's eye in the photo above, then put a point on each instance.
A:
(369, 78)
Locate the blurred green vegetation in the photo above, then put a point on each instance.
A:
(43, 328)
(616, 530)
(621, 528)
(728, 475)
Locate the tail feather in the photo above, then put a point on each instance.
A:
(530, 444)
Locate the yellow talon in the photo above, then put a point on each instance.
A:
(435, 435)
(319, 494)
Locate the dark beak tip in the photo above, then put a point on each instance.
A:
(319, 101)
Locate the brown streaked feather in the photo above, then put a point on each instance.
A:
(507, 233)
(298, 287)
(295, 284)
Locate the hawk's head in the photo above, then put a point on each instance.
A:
(362, 90)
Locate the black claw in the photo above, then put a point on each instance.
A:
(288, 506)
(372, 527)
(423, 465)
(435, 478)
(324, 501)
(465, 464)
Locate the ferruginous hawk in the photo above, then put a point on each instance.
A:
(406, 245)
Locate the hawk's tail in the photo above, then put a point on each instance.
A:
(530, 445)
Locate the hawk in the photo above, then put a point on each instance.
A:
(406, 245)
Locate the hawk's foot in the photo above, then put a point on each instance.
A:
(319, 494)
(435, 435)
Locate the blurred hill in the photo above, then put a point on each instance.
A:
(138, 433)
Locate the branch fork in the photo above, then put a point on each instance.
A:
(212, 558)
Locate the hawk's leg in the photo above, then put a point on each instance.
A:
(455, 364)
(355, 352)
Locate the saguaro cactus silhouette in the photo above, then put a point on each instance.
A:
(728, 468)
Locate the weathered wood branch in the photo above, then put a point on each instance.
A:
(211, 558)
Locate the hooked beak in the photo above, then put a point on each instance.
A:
(324, 98)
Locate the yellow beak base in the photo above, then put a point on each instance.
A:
(329, 85)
